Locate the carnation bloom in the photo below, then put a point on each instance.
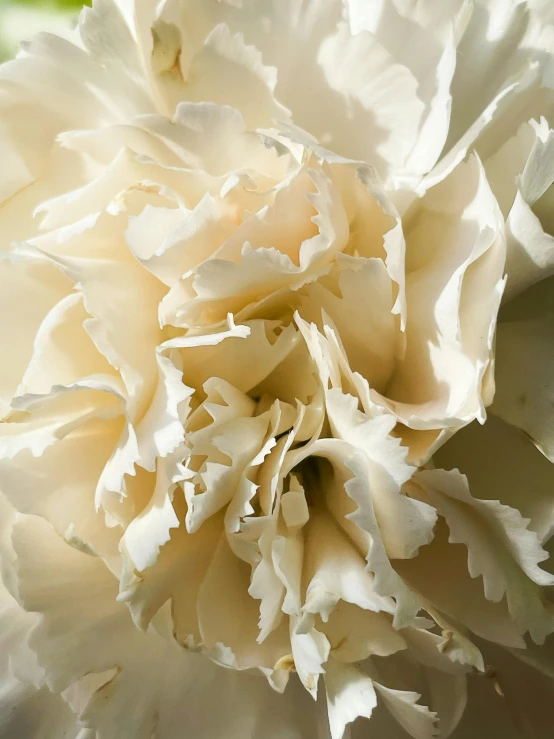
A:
(277, 403)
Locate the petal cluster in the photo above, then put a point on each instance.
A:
(276, 404)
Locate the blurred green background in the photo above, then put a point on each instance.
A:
(21, 19)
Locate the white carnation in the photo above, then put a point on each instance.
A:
(254, 255)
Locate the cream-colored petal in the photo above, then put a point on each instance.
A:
(453, 292)
(20, 323)
(38, 421)
(418, 720)
(228, 72)
(501, 549)
(306, 37)
(146, 688)
(60, 485)
(439, 575)
(361, 72)
(349, 498)
(176, 573)
(226, 617)
(213, 139)
(310, 651)
(336, 573)
(404, 523)
(127, 340)
(503, 168)
(500, 39)
(277, 574)
(362, 316)
(63, 351)
(26, 710)
(151, 529)
(529, 228)
(118, 38)
(422, 37)
(231, 282)
(267, 346)
(350, 694)
(191, 237)
(160, 431)
(356, 634)
(502, 464)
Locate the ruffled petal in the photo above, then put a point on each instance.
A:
(102, 639)
(350, 694)
(25, 709)
(453, 294)
(20, 324)
(507, 557)
(502, 464)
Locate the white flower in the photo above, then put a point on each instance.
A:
(254, 309)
